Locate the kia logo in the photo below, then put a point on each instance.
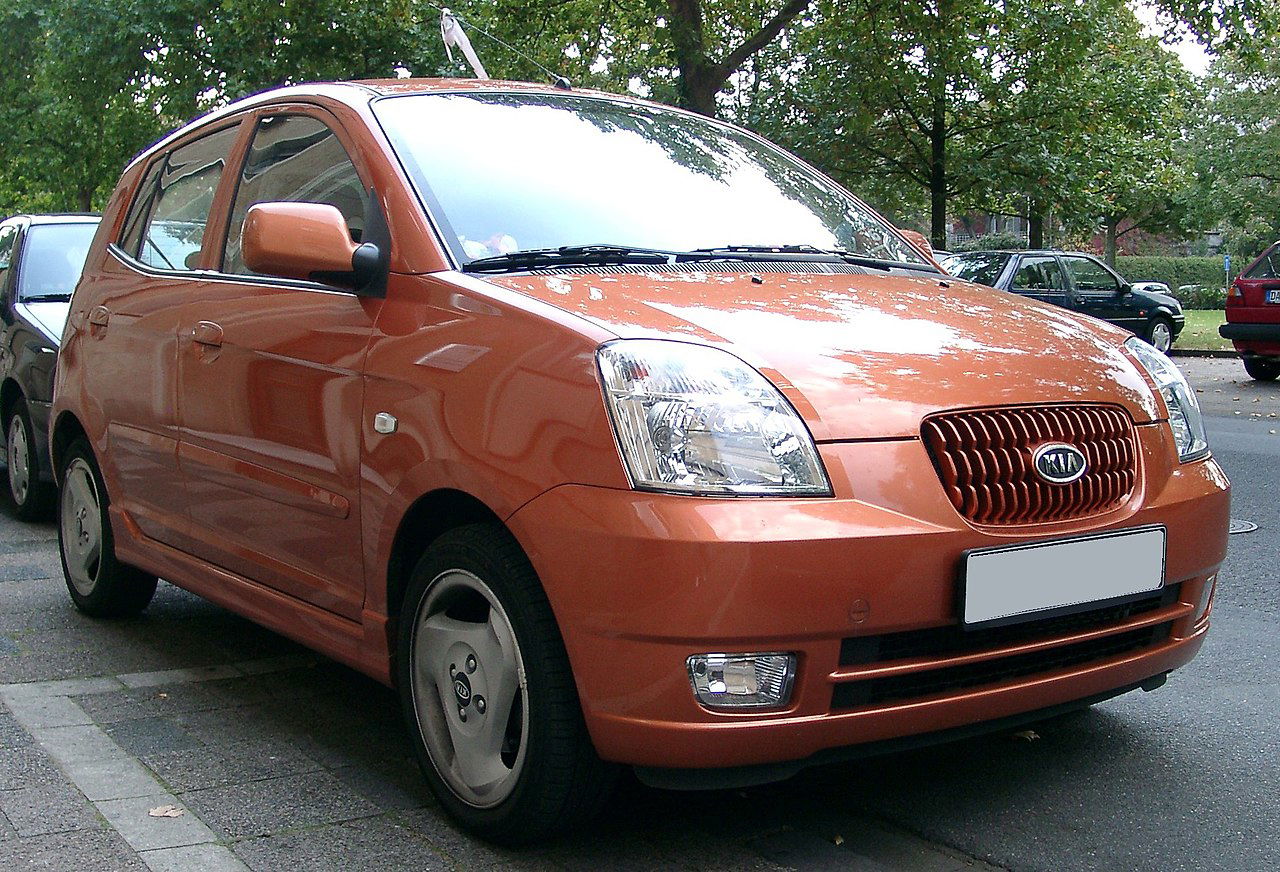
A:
(462, 689)
(1059, 463)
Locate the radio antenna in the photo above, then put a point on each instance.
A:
(452, 33)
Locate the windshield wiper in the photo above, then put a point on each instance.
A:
(761, 252)
(567, 255)
(46, 298)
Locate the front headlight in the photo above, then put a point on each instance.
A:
(695, 419)
(1184, 409)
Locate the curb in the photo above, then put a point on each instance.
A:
(1202, 352)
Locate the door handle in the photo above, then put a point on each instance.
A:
(207, 333)
(99, 315)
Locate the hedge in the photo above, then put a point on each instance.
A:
(1197, 282)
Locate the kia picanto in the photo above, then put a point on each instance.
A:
(612, 436)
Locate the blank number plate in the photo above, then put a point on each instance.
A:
(1022, 582)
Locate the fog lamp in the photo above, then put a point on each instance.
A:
(1206, 596)
(742, 681)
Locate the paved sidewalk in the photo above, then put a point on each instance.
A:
(272, 758)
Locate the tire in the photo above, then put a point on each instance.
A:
(474, 619)
(31, 498)
(1159, 333)
(99, 584)
(1262, 368)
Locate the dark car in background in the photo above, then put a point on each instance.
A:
(1253, 316)
(41, 257)
(1079, 282)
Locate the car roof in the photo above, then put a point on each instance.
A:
(360, 91)
(1037, 251)
(57, 217)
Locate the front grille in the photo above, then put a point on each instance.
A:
(984, 461)
(954, 640)
(916, 685)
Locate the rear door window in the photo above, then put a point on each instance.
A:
(174, 230)
(1091, 277)
(1039, 274)
(299, 159)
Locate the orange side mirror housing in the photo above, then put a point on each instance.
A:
(307, 241)
(921, 242)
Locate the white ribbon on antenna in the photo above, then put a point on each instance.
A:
(453, 35)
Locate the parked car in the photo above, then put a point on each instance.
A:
(1253, 316)
(40, 261)
(1081, 283)
(612, 435)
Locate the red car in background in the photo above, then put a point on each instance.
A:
(1253, 316)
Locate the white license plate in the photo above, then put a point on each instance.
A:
(1034, 580)
(1273, 295)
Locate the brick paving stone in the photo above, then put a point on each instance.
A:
(373, 843)
(262, 808)
(391, 784)
(97, 850)
(150, 736)
(237, 763)
(50, 808)
(26, 766)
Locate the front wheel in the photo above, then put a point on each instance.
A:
(99, 584)
(1262, 368)
(1160, 333)
(488, 694)
(32, 498)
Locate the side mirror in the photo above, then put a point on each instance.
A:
(918, 239)
(1124, 289)
(310, 241)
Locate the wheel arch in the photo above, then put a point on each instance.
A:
(65, 431)
(429, 517)
(10, 393)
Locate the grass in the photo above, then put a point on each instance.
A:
(1201, 331)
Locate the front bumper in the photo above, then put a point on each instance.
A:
(640, 581)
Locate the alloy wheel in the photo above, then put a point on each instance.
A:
(81, 520)
(19, 461)
(1161, 336)
(469, 689)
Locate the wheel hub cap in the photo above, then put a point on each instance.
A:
(468, 689)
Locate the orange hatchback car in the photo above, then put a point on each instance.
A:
(612, 435)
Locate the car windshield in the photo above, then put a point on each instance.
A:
(982, 268)
(506, 172)
(52, 259)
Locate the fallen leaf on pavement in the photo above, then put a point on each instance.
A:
(1026, 735)
(167, 811)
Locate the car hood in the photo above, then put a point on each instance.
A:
(49, 317)
(867, 356)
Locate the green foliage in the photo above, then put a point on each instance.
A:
(993, 242)
(1197, 282)
(1237, 151)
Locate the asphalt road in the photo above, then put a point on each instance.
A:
(275, 758)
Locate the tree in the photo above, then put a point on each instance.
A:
(1237, 150)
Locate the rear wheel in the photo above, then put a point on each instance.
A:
(99, 584)
(1262, 368)
(488, 694)
(1160, 333)
(32, 498)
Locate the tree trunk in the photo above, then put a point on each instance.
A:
(938, 174)
(84, 199)
(1109, 244)
(1035, 225)
(701, 77)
